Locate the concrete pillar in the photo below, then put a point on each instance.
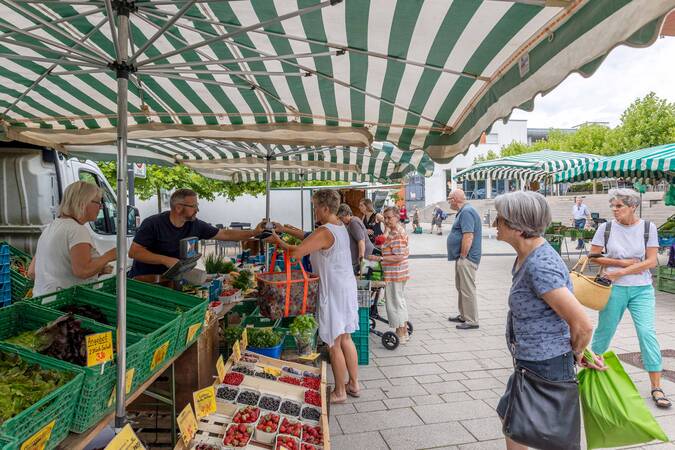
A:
(595, 189)
(488, 188)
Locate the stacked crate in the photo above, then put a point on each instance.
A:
(5, 279)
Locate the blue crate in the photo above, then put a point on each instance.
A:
(5, 293)
(4, 269)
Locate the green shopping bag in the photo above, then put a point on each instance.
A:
(614, 413)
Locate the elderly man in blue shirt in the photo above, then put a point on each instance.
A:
(580, 213)
(464, 247)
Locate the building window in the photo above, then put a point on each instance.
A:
(492, 138)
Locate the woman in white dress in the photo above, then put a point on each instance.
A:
(328, 247)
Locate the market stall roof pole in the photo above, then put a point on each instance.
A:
(122, 8)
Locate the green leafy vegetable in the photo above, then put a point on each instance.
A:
(304, 326)
(244, 280)
(263, 337)
(217, 264)
(232, 333)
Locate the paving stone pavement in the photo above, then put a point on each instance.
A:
(440, 390)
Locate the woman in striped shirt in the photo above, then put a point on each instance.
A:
(394, 261)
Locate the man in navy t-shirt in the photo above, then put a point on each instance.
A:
(464, 247)
(156, 246)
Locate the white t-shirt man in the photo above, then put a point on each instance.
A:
(53, 269)
(580, 212)
(626, 242)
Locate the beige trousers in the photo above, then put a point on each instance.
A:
(465, 281)
(397, 308)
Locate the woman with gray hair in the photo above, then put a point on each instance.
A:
(65, 255)
(328, 247)
(547, 328)
(359, 244)
(630, 245)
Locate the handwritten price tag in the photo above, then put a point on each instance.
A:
(244, 340)
(205, 401)
(220, 368)
(159, 355)
(192, 331)
(39, 440)
(99, 348)
(187, 424)
(129, 379)
(236, 352)
(126, 439)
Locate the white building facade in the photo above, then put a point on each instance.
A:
(437, 186)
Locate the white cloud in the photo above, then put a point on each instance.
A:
(626, 74)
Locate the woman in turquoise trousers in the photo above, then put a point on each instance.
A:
(629, 252)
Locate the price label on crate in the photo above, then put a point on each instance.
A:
(192, 331)
(129, 379)
(187, 424)
(126, 439)
(205, 401)
(39, 440)
(99, 348)
(244, 340)
(220, 368)
(159, 355)
(236, 352)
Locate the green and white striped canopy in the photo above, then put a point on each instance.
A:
(427, 75)
(534, 166)
(648, 164)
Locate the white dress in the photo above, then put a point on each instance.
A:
(338, 303)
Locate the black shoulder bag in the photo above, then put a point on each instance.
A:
(541, 413)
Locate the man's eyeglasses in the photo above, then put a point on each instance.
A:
(195, 206)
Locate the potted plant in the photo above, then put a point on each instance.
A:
(264, 341)
(214, 264)
(303, 329)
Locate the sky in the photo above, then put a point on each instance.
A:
(626, 74)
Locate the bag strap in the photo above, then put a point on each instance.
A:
(608, 228)
(287, 264)
(305, 279)
(647, 226)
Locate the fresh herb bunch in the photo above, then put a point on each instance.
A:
(217, 264)
(244, 280)
(23, 384)
(263, 337)
(232, 333)
(303, 326)
(290, 240)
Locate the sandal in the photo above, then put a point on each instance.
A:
(334, 400)
(662, 401)
(351, 392)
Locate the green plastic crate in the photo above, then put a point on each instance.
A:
(555, 240)
(362, 351)
(259, 322)
(58, 405)
(665, 279)
(191, 308)
(7, 443)
(20, 284)
(158, 326)
(244, 309)
(96, 386)
(364, 322)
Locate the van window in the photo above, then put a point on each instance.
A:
(107, 216)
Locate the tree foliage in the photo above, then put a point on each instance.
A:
(647, 122)
(489, 156)
(180, 176)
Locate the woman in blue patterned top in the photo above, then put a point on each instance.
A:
(547, 329)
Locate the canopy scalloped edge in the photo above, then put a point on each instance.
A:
(279, 133)
(443, 148)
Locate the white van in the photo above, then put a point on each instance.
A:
(32, 181)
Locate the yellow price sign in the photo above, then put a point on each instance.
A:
(187, 424)
(220, 368)
(244, 340)
(126, 439)
(310, 357)
(39, 440)
(236, 352)
(205, 401)
(159, 355)
(192, 331)
(99, 348)
(129, 380)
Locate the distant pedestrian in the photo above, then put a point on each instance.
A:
(416, 217)
(464, 247)
(580, 213)
(438, 216)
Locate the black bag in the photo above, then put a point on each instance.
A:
(541, 413)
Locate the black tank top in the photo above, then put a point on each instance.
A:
(371, 224)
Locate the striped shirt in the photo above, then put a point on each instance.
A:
(396, 243)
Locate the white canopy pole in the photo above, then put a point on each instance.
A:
(302, 200)
(122, 10)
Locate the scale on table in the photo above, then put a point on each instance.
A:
(189, 255)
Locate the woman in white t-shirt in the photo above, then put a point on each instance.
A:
(65, 255)
(630, 251)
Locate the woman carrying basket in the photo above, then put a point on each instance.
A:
(328, 247)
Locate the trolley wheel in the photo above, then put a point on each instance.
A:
(410, 328)
(390, 340)
(372, 323)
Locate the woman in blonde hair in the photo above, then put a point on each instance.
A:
(65, 255)
(371, 219)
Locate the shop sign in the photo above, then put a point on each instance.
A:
(205, 401)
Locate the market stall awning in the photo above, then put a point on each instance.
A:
(647, 164)
(534, 166)
(420, 74)
(238, 161)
